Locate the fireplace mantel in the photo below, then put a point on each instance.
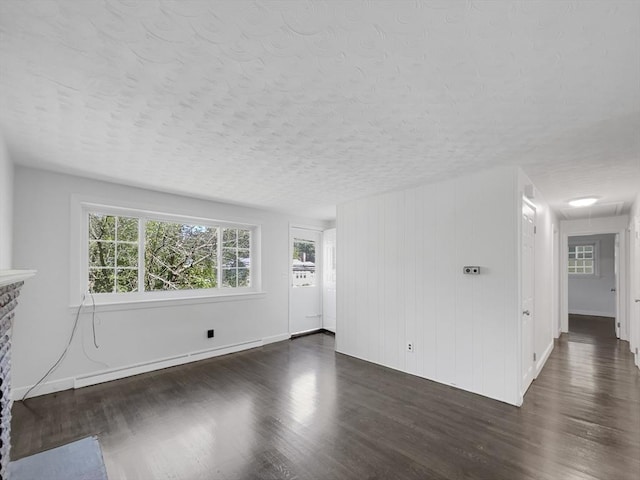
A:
(8, 277)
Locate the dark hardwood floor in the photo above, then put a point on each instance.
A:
(591, 329)
(297, 410)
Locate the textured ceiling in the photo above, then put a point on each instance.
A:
(297, 105)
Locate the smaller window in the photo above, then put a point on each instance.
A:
(236, 257)
(113, 253)
(582, 259)
(303, 264)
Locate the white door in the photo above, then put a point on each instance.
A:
(616, 288)
(636, 289)
(305, 299)
(528, 276)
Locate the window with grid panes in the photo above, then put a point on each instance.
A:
(582, 259)
(137, 254)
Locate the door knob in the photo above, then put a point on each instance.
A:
(526, 312)
(637, 300)
(613, 289)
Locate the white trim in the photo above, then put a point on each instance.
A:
(311, 330)
(306, 227)
(543, 359)
(468, 388)
(115, 374)
(43, 389)
(276, 338)
(123, 305)
(592, 313)
(111, 209)
(9, 277)
(595, 226)
(139, 368)
(80, 206)
(556, 282)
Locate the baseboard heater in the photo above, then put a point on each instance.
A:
(137, 369)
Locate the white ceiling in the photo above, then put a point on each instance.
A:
(298, 106)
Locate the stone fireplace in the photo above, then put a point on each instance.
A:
(11, 281)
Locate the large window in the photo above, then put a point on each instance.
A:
(138, 253)
(582, 259)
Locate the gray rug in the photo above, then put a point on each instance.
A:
(81, 460)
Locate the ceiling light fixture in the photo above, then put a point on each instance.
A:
(583, 202)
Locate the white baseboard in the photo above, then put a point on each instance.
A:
(543, 359)
(592, 313)
(515, 401)
(43, 389)
(115, 374)
(136, 369)
(305, 332)
(276, 338)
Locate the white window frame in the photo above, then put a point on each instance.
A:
(80, 256)
(596, 259)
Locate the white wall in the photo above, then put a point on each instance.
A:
(546, 273)
(129, 335)
(592, 295)
(594, 226)
(6, 207)
(400, 280)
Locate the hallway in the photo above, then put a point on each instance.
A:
(590, 329)
(297, 410)
(591, 390)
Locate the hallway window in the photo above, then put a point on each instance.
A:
(582, 259)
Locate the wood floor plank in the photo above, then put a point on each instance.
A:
(297, 410)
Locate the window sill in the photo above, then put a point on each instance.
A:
(113, 305)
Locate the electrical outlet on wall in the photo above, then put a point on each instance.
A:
(410, 347)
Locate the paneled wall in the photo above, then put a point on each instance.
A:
(400, 281)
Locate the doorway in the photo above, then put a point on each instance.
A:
(635, 289)
(593, 285)
(528, 299)
(305, 287)
(616, 226)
